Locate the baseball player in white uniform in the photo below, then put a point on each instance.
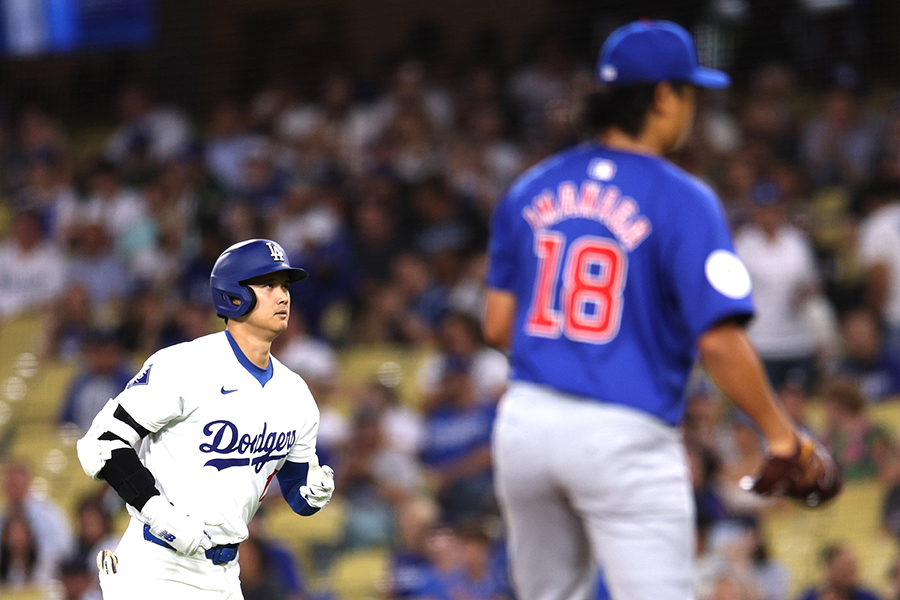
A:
(214, 420)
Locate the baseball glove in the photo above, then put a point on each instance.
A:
(810, 475)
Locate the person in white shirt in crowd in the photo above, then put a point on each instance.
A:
(49, 191)
(163, 131)
(338, 124)
(119, 209)
(782, 270)
(32, 270)
(459, 338)
(879, 252)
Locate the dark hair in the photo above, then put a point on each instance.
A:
(830, 552)
(5, 558)
(624, 107)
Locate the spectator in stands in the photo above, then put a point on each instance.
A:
(32, 270)
(305, 218)
(725, 570)
(467, 294)
(727, 583)
(339, 124)
(772, 578)
(840, 142)
(478, 576)
(859, 445)
(459, 341)
(280, 562)
(457, 445)
(263, 181)
(317, 362)
(97, 269)
(49, 192)
(19, 566)
(425, 299)
(782, 268)
(148, 128)
(229, 143)
(538, 85)
(439, 221)
(106, 372)
(705, 471)
(482, 160)
(412, 574)
(841, 581)
(257, 582)
(93, 533)
(414, 148)
(52, 536)
(879, 253)
(120, 210)
(79, 580)
(873, 365)
(193, 283)
(377, 241)
(372, 478)
(402, 426)
(68, 323)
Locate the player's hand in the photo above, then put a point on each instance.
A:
(319, 484)
(809, 474)
(184, 533)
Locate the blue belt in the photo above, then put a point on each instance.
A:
(219, 555)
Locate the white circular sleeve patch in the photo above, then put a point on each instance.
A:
(727, 274)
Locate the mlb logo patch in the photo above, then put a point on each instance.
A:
(602, 169)
(142, 378)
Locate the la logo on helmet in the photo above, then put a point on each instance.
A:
(277, 252)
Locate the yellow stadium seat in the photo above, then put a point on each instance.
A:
(17, 335)
(302, 534)
(395, 366)
(360, 575)
(797, 535)
(29, 593)
(887, 414)
(46, 392)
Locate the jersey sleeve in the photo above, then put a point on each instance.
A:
(152, 397)
(502, 247)
(305, 446)
(708, 281)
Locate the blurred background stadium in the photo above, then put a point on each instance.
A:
(139, 138)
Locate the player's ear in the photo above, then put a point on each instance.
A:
(663, 96)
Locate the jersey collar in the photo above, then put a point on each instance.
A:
(262, 375)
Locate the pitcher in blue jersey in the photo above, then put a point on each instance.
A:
(610, 269)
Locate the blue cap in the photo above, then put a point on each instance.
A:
(653, 51)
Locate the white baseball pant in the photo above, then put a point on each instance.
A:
(581, 483)
(147, 571)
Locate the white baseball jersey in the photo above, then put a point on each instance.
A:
(220, 427)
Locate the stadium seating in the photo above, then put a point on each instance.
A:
(360, 575)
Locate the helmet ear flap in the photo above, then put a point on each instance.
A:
(252, 300)
(249, 307)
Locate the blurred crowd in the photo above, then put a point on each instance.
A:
(384, 194)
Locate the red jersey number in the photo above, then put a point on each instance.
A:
(590, 307)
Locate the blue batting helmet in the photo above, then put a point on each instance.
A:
(242, 261)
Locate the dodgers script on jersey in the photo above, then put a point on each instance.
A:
(618, 269)
(230, 427)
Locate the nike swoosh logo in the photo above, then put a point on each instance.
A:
(224, 391)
